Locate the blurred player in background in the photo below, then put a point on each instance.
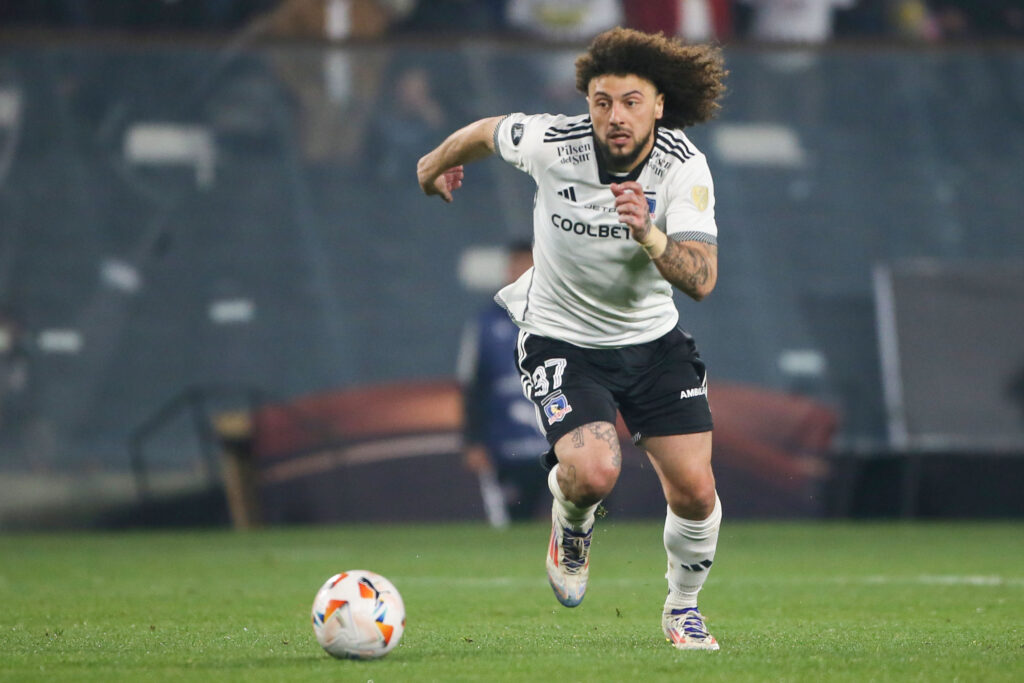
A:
(624, 212)
(501, 439)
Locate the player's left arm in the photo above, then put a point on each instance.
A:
(689, 265)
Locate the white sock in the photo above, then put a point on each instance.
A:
(691, 550)
(569, 514)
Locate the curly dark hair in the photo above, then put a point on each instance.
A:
(689, 76)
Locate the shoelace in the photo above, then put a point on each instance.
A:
(692, 622)
(575, 546)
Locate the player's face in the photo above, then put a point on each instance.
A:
(623, 110)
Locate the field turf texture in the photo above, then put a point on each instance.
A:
(787, 601)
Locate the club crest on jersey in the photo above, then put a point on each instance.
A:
(517, 133)
(700, 196)
(556, 407)
(651, 203)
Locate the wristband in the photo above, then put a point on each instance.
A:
(655, 244)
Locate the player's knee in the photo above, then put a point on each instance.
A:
(694, 500)
(600, 479)
(591, 481)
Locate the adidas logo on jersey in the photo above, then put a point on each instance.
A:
(569, 193)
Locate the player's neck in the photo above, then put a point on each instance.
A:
(611, 173)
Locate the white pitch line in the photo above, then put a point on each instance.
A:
(983, 581)
(950, 580)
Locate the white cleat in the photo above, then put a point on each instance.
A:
(568, 562)
(685, 629)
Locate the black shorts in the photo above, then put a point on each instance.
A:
(660, 387)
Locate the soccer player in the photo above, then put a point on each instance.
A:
(624, 212)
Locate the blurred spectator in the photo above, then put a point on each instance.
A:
(912, 19)
(794, 21)
(502, 442)
(133, 14)
(410, 119)
(959, 20)
(563, 20)
(692, 20)
(333, 19)
(434, 17)
(334, 90)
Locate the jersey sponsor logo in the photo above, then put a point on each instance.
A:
(556, 407)
(659, 163)
(612, 230)
(573, 153)
(569, 193)
(694, 393)
(517, 133)
(699, 193)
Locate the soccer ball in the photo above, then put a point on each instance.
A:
(358, 615)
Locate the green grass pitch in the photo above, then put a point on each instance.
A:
(787, 602)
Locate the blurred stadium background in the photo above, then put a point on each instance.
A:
(224, 300)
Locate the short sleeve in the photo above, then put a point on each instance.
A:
(518, 139)
(690, 214)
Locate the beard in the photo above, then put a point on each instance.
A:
(621, 162)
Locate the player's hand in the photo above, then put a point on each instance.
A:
(631, 205)
(443, 185)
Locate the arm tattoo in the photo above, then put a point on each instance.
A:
(577, 437)
(688, 267)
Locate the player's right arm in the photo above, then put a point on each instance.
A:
(440, 171)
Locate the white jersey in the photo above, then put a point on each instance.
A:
(592, 285)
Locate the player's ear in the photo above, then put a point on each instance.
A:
(659, 106)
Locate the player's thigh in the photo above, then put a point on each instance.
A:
(589, 459)
(566, 390)
(577, 413)
(670, 397)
